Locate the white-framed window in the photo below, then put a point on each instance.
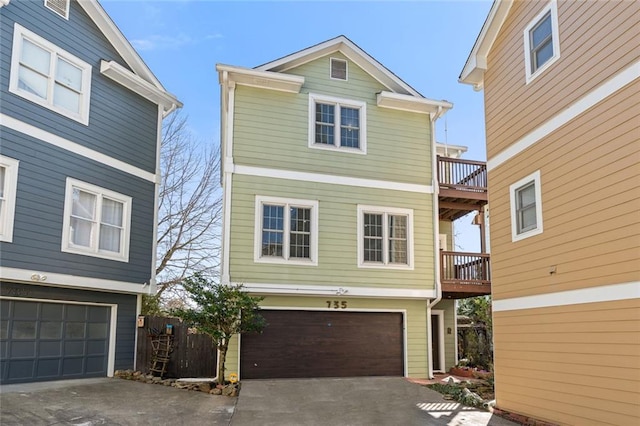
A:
(339, 70)
(286, 231)
(97, 221)
(337, 124)
(61, 7)
(8, 186)
(541, 41)
(385, 237)
(49, 76)
(526, 207)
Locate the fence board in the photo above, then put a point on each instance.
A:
(194, 355)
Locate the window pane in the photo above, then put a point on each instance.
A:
(543, 54)
(541, 31)
(350, 127)
(299, 246)
(2, 174)
(325, 119)
(373, 250)
(35, 57)
(81, 232)
(110, 237)
(527, 219)
(397, 226)
(398, 239)
(300, 219)
(325, 113)
(527, 195)
(272, 230)
(32, 82)
(65, 98)
(272, 243)
(324, 134)
(373, 225)
(300, 232)
(112, 212)
(69, 75)
(84, 204)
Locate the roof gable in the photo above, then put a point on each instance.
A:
(351, 51)
(476, 65)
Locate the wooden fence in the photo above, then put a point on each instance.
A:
(194, 354)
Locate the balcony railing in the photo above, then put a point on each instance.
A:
(463, 175)
(464, 274)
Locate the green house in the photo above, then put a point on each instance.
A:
(331, 213)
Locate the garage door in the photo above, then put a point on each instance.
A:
(52, 341)
(324, 344)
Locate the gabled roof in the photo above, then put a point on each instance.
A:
(476, 65)
(141, 80)
(349, 49)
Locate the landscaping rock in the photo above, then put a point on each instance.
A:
(204, 387)
(215, 391)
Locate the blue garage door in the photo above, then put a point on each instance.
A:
(52, 341)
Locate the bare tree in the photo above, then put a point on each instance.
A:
(189, 211)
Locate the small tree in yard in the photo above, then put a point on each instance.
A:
(221, 312)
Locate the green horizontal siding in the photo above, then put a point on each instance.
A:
(337, 248)
(449, 306)
(271, 130)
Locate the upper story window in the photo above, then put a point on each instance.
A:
(541, 41)
(286, 231)
(385, 237)
(337, 124)
(8, 186)
(47, 75)
(338, 69)
(61, 7)
(96, 222)
(526, 207)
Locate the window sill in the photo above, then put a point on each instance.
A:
(101, 255)
(367, 265)
(337, 148)
(283, 261)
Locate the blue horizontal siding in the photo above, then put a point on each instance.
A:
(122, 124)
(37, 235)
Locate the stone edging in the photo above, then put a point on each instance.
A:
(204, 385)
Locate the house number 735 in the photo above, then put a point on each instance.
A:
(337, 304)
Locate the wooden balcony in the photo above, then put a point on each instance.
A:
(463, 186)
(464, 274)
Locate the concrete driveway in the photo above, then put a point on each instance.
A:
(358, 401)
(91, 402)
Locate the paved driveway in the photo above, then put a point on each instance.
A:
(362, 401)
(91, 402)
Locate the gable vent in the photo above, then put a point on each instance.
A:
(61, 7)
(338, 69)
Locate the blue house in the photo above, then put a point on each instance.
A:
(80, 133)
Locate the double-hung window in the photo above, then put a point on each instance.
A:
(526, 207)
(8, 185)
(541, 41)
(47, 75)
(286, 231)
(337, 124)
(97, 221)
(385, 237)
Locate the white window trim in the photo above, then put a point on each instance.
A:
(21, 33)
(535, 178)
(313, 249)
(346, 69)
(362, 106)
(67, 247)
(362, 209)
(66, 14)
(552, 8)
(11, 184)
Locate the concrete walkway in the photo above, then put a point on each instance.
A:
(353, 401)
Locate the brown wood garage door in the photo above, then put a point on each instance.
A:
(324, 344)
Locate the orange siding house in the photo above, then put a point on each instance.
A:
(561, 83)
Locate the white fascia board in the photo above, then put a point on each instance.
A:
(354, 53)
(476, 65)
(39, 277)
(450, 151)
(321, 290)
(261, 79)
(135, 83)
(411, 103)
(111, 31)
(4, 2)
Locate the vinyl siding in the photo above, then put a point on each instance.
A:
(271, 130)
(37, 236)
(449, 307)
(416, 323)
(612, 28)
(125, 328)
(590, 201)
(446, 228)
(337, 252)
(580, 363)
(122, 125)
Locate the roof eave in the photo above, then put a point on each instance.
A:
(410, 103)
(261, 79)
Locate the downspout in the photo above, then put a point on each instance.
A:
(436, 233)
